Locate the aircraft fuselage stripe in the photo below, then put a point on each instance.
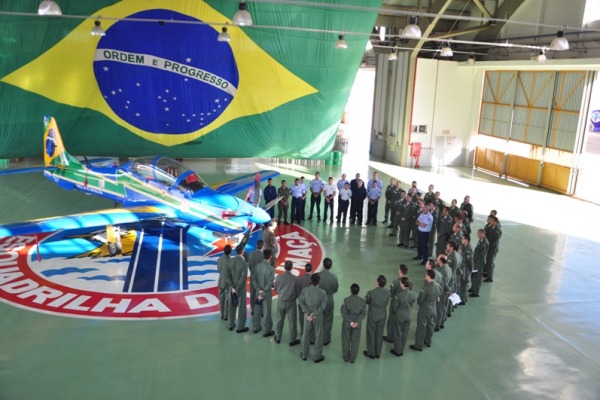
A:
(158, 258)
(135, 264)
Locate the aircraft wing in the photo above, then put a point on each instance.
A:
(101, 218)
(243, 182)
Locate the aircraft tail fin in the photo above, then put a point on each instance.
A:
(55, 154)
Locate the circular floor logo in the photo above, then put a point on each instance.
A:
(172, 78)
(158, 275)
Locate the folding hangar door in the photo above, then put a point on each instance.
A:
(530, 123)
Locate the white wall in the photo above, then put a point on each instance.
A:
(444, 101)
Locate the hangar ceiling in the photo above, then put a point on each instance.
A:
(519, 22)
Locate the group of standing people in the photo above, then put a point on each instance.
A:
(417, 220)
(350, 195)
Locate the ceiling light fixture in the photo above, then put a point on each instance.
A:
(412, 30)
(242, 17)
(541, 58)
(393, 56)
(49, 8)
(559, 43)
(341, 43)
(446, 51)
(97, 29)
(471, 60)
(224, 36)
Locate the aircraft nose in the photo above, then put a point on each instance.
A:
(259, 216)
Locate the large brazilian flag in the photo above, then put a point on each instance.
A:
(169, 87)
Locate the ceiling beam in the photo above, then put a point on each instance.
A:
(459, 32)
(482, 8)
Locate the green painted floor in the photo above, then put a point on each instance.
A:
(533, 333)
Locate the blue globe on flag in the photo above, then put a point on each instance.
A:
(171, 77)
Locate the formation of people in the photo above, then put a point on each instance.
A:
(418, 221)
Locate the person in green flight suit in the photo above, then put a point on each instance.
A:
(254, 258)
(354, 310)
(329, 283)
(467, 253)
(427, 299)
(391, 321)
(446, 284)
(235, 275)
(378, 300)
(404, 300)
(304, 283)
(313, 301)
(221, 283)
(493, 236)
(479, 257)
(287, 286)
(262, 282)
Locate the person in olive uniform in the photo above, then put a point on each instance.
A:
(254, 258)
(354, 310)
(287, 286)
(404, 300)
(221, 283)
(391, 321)
(467, 253)
(304, 283)
(446, 285)
(493, 236)
(235, 275)
(329, 283)
(427, 300)
(378, 300)
(262, 282)
(313, 301)
(479, 257)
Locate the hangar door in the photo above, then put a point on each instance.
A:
(529, 124)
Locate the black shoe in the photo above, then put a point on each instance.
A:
(392, 234)
(412, 346)
(255, 332)
(442, 326)
(326, 343)
(470, 290)
(399, 245)
(488, 280)
(390, 226)
(384, 221)
(377, 356)
(436, 329)
(277, 340)
(462, 303)
(423, 262)
(387, 339)
(474, 295)
(318, 218)
(416, 258)
(368, 355)
(302, 357)
(394, 352)
(374, 223)
(428, 345)
(246, 329)
(308, 219)
(294, 343)
(485, 274)
(312, 342)
(318, 360)
(269, 334)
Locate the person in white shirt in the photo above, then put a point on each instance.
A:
(344, 202)
(329, 191)
(340, 185)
